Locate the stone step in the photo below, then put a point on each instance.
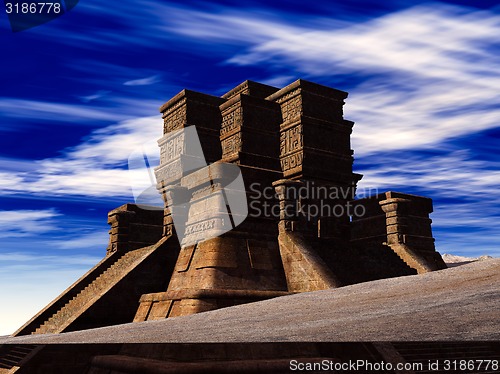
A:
(15, 355)
(8, 360)
(22, 349)
(68, 308)
(86, 295)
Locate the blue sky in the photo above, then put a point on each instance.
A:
(78, 94)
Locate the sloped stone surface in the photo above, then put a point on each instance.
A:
(459, 303)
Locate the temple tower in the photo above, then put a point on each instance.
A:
(240, 265)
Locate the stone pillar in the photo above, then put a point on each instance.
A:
(133, 227)
(304, 269)
(409, 232)
(119, 231)
(396, 212)
(249, 132)
(180, 156)
(315, 148)
(190, 108)
(176, 199)
(314, 135)
(250, 138)
(407, 220)
(289, 203)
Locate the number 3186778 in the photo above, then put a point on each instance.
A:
(33, 8)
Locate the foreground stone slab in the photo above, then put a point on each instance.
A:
(459, 303)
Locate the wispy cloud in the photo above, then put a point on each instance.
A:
(21, 223)
(450, 173)
(8, 181)
(106, 76)
(98, 95)
(429, 73)
(31, 260)
(34, 109)
(96, 239)
(97, 167)
(143, 81)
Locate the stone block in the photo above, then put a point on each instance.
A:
(251, 88)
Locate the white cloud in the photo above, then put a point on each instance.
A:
(278, 81)
(97, 167)
(113, 144)
(450, 174)
(437, 72)
(18, 108)
(391, 120)
(143, 81)
(98, 95)
(432, 41)
(9, 181)
(91, 240)
(21, 223)
(12, 260)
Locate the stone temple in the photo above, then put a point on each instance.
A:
(292, 148)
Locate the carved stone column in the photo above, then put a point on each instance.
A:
(396, 212)
(190, 108)
(315, 148)
(287, 191)
(183, 151)
(133, 227)
(119, 221)
(249, 132)
(176, 200)
(314, 136)
(409, 231)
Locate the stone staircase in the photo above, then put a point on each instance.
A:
(421, 260)
(455, 352)
(14, 355)
(76, 306)
(391, 257)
